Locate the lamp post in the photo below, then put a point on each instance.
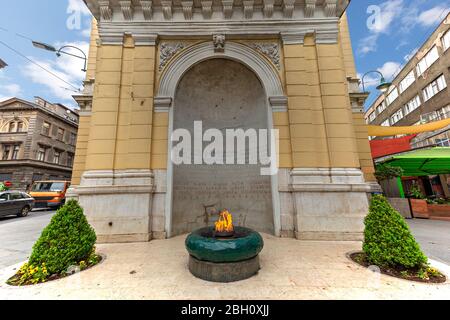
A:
(383, 86)
(3, 64)
(60, 51)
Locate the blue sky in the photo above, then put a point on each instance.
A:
(379, 43)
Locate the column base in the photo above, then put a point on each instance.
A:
(118, 204)
(330, 204)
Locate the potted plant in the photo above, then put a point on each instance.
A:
(439, 209)
(419, 205)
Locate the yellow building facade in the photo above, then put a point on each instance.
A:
(300, 52)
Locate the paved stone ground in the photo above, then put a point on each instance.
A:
(291, 269)
(433, 237)
(17, 236)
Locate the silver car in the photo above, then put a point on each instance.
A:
(15, 203)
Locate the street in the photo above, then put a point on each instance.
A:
(17, 235)
(433, 237)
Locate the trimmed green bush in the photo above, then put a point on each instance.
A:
(388, 242)
(66, 241)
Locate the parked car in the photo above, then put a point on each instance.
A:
(15, 203)
(49, 194)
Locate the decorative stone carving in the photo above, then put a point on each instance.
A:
(127, 9)
(147, 9)
(268, 8)
(288, 8)
(227, 8)
(167, 51)
(167, 9)
(105, 10)
(271, 50)
(330, 7)
(219, 42)
(310, 8)
(207, 8)
(248, 8)
(187, 9)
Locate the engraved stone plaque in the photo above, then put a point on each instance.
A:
(223, 94)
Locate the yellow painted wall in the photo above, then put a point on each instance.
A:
(319, 129)
(359, 123)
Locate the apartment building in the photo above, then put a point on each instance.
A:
(419, 93)
(37, 141)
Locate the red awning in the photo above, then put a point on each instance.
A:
(381, 148)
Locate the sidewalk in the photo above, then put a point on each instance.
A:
(291, 269)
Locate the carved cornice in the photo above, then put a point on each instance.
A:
(144, 10)
(310, 8)
(268, 8)
(167, 9)
(207, 8)
(187, 9)
(105, 10)
(288, 8)
(147, 9)
(248, 8)
(127, 9)
(227, 8)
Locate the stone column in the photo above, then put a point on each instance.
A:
(116, 188)
(328, 186)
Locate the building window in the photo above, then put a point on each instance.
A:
(15, 153)
(442, 142)
(6, 151)
(397, 116)
(20, 126)
(392, 96)
(69, 160)
(407, 82)
(56, 157)
(431, 57)
(46, 129)
(73, 139)
(434, 88)
(41, 154)
(412, 105)
(446, 41)
(385, 123)
(11, 127)
(445, 112)
(372, 116)
(60, 134)
(381, 107)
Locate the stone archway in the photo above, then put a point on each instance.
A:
(275, 101)
(222, 94)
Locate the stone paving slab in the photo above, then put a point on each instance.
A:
(291, 269)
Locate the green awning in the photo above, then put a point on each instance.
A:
(423, 162)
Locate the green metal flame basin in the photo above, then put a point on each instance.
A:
(245, 244)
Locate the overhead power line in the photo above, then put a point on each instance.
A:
(40, 66)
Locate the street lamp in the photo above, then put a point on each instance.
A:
(3, 64)
(383, 86)
(60, 51)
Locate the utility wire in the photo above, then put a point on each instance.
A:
(40, 66)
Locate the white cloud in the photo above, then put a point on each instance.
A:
(432, 16)
(390, 69)
(379, 22)
(397, 18)
(77, 6)
(65, 67)
(8, 91)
